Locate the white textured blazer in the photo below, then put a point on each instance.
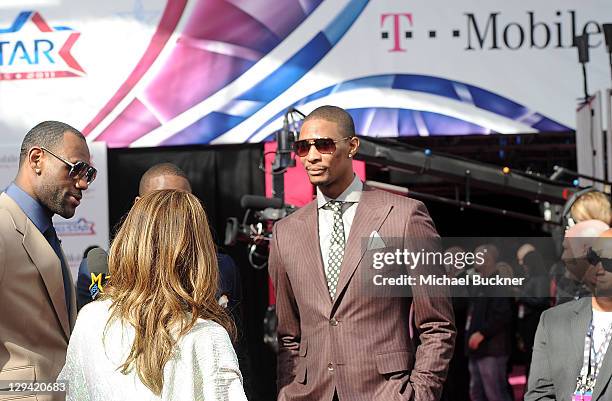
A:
(204, 366)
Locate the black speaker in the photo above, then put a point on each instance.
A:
(607, 29)
(582, 43)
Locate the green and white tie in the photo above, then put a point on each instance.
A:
(336, 247)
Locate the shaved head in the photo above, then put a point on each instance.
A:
(344, 121)
(163, 176)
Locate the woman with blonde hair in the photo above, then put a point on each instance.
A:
(158, 332)
(592, 205)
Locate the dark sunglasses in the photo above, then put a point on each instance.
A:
(323, 145)
(78, 170)
(593, 258)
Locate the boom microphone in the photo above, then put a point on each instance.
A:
(97, 265)
(260, 202)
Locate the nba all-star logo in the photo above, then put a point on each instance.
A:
(30, 48)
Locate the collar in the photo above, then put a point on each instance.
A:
(352, 194)
(37, 213)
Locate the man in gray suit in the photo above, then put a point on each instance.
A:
(571, 353)
(37, 297)
(336, 343)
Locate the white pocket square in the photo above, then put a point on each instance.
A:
(375, 241)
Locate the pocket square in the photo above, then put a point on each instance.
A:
(375, 241)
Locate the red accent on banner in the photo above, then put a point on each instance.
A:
(16, 76)
(65, 52)
(169, 20)
(40, 23)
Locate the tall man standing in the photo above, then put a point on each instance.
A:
(37, 297)
(336, 343)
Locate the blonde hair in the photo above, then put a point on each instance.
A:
(592, 206)
(163, 277)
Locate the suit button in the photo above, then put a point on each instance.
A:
(333, 322)
(330, 367)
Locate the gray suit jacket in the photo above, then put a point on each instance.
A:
(34, 323)
(558, 353)
(358, 345)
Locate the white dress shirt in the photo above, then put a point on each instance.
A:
(351, 196)
(203, 367)
(602, 322)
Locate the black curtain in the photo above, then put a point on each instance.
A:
(219, 176)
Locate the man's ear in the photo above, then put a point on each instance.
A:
(354, 143)
(34, 160)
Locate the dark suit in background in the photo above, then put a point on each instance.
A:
(558, 353)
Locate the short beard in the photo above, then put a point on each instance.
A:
(55, 201)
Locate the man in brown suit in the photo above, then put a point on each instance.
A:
(335, 342)
(37, 297)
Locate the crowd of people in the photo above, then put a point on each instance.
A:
(168, 325)
(501, 324)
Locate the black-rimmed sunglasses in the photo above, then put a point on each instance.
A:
(78, 170)
(323, 145)
(593, 258)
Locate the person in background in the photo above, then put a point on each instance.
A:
(84, 280)
(488, 334)
(593, 205)
(169, 176)
(571, 354)
(158, 331)
(533, 299)
(37, 297)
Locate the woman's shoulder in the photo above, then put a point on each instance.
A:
(91, 320)
(95, 311)
(208, 328)
(205, 336)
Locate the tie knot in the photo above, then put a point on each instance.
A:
(334, 206)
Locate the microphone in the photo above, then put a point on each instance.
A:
(97, 265)
(260, 202)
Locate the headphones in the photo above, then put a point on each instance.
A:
(567, 219)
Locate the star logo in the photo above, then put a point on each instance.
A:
(30, 48)
(96, 284)
(79, 226)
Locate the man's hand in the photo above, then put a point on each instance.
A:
(475, 340)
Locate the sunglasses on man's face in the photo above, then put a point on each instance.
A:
(594, 258)
(323, 145)
(79, 170)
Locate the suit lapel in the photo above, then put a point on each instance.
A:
(44, 258)
(309, 234)
(73, 305)
(605, 372)
(371, 213)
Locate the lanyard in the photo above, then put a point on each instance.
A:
(593, 359)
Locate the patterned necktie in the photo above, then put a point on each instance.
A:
(51, 237)
(336, 247)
